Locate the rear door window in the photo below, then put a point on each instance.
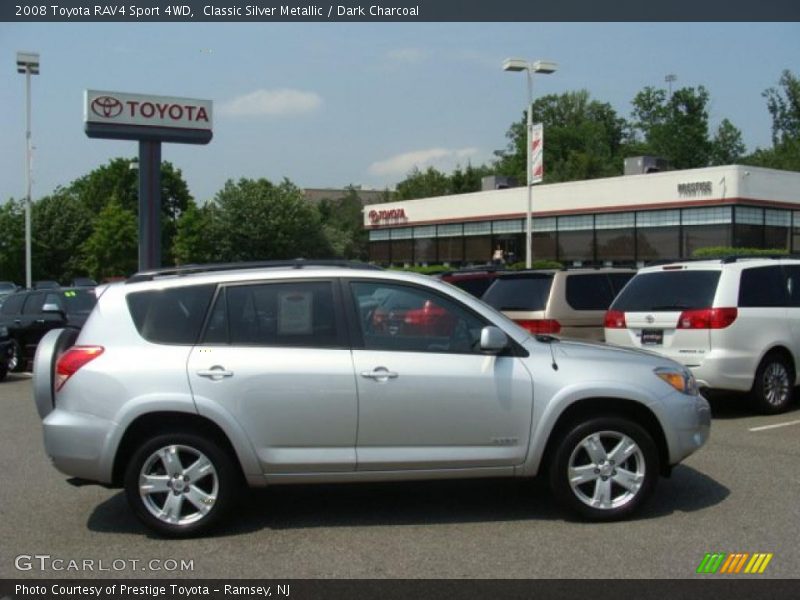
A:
(668, 291)
(290, 314)
(589, 291)
(519, 292)
(762, 287)
(171, 316)
(33, 305)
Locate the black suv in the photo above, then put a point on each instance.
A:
(29, 314)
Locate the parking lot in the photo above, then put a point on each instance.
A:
(738, 494)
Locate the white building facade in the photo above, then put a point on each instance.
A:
(628, 220)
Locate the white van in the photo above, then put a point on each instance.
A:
(735, 322)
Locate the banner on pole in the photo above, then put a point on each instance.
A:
(537, 153)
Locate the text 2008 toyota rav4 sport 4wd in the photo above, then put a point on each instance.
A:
(184, 384)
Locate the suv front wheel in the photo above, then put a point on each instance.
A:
(772, 388)
(180, 484)
(604, 468)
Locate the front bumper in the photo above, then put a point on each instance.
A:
(75, 442)
(690, 420)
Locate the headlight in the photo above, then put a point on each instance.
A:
(681, 379)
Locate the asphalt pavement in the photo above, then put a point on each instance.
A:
(741, 493)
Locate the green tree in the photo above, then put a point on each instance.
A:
(582, 139)
(112, 248)
(727, 147)
(423, 184)
(12, 241)
(783, 104)
(675, 128)
(60, 224)
(469, 179)
(343, 226)
(258, 220)
(196, 235)
(118, 180)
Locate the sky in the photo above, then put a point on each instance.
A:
(335, 104)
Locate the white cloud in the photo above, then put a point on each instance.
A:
(272, 103)
(407, 55)
(441, 158)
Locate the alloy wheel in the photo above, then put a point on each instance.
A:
(178, 485)
(776, 384)
(606, 470)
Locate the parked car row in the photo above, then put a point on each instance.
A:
(734, 322)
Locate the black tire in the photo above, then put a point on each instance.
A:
(773, 385)
(16, 362)
(639, 470)
(3, 368)
(224, 493)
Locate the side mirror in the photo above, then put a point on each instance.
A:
(493, 340)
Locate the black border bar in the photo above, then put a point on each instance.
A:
(707, 587)
(400, 10)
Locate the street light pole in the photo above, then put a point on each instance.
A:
(28, 63)
(539, 66)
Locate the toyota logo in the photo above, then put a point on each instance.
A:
(650, 319)
(374, 216)
(106, 107)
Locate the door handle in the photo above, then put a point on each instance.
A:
(379, 374)
(215, 373)
(40, 321)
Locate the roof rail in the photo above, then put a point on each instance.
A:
(296, 263)
(735, 257)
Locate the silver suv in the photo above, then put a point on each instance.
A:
(185, 383)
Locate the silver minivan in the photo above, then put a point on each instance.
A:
(185, 383)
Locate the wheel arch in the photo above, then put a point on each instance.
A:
(784, 352)
(153, 423)
(587, 408)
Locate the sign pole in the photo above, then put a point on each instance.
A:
(149, 205)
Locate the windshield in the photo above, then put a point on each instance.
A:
(668, 291)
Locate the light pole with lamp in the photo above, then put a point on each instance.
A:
(28, 63)
(539, 66)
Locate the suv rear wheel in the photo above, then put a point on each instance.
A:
(604, 468)
(180, 484)
(772, 387)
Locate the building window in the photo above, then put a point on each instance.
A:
(706, 216)
(576, 223)
(658, 243)
(378, 235)
(512, 226)
(544, 246)
(403, 251)
(424, 250)
(747, 215)
(480, 228)
(704, 236)
(379, 252)
(615, 221)
(796, 232)
(450, 230)
(576, 246)
(543, 224)
(617, 245)
(478, 249)
(451, 250)
(748, 236)
(658, 218)
(402, 233)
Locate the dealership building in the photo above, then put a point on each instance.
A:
(627, 220)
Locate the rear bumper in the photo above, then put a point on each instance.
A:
(724, 370)
(75, 442)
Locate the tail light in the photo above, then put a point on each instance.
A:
(615, 319)
(707, 318)
(72, 360)
(540, 325)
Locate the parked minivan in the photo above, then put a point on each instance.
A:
(569, 303)
(735, 322)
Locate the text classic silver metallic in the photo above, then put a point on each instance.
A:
(184, 384)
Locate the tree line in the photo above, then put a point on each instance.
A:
(89, 227)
